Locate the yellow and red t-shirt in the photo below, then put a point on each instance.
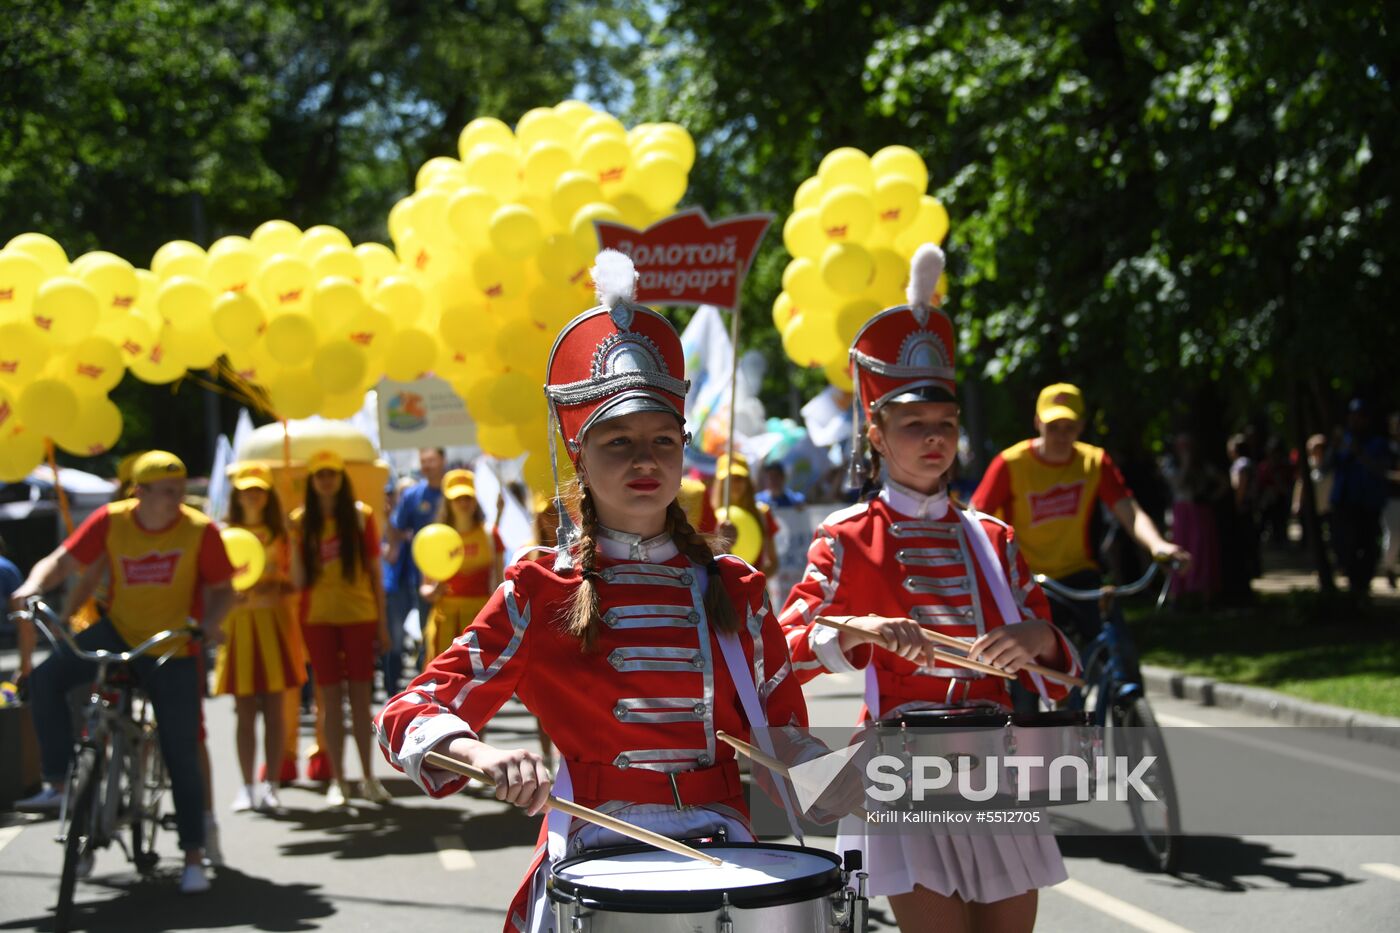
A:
(334, 600)
(1049, 504)
(479, 553)
(155, 577)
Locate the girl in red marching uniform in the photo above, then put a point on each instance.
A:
(260, 658)
(633, 643)
(911, 558)
(457, 601)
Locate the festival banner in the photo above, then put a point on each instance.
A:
(424, 413)
(687, 259)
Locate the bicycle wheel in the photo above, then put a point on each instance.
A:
(1158, 822)
(78, 830)
(149, 786)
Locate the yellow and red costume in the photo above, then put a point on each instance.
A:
(262, 650)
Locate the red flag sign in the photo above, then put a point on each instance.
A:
(688, 260)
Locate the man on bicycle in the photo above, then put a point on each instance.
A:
(167, 565)
(1047, 488)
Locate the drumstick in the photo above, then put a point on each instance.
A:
(621, 827)
(768, 761)
(950, 658)
(948, 640)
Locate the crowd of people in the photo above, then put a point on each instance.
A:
(631, 636)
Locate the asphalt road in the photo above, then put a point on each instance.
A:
(452, 865)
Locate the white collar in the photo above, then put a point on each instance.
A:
(620, 545)
(907, 501)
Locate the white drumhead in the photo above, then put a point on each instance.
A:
(664, 871)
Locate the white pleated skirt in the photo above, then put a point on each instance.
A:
(978, 868)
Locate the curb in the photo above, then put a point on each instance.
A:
(1270, 704)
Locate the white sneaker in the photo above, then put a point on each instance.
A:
(374, 792)
(269, 802)
(244, 799)
(194, 880)
(213, 854)
(337, 796)
(48, 800)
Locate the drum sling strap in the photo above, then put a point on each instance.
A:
(995, 576)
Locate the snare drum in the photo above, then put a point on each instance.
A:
(970, 737)
(760, 888)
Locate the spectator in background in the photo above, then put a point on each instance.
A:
(1196, 484)
(1319, 467)
(775, 491)
(1275, 486)
(1359, 487)
(417, 506)
(1239, 535)
(399, 597)
(1390, 561)
(10, 579)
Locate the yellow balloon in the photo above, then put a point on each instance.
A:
(92, 366)
(584, 233)
(572, 191)
(483, 130)
(401, 298)
(838, 373)
(335, 302)
(502, 441)
(234, 267)
(295, 393)
(802, 279)
(159, 364)
(672, 139)
(520, 342)
(339, 366)
(544, 163)
(370, 331)
(782, 311)
(930, 226)
(559, 260)
(185, 303)
(847, 214)
(891, 273)
(179, 257)
(276, 236)
(247, 555)
(337, 260)
(66, 310)
(660, 179)
(438, 167)
(497, 277)
(454, 365)
(46, 403)
(606, 158)
(748, 541)
(291, 338)
(514, 231)
(24, 352)
(553, 306)
(495, 168)
(284, 283)
(516, 398)
(131, 333)
(460, 327)
(809, 194)
(847, 268)
(148, 284)
(314, 239)
(469, 212)
(852, 316)
(196, 349)
(438, 552)
(896, 204)
(94, 431)
(343, 405)
(427, 217)
(811, 339)
(42, 249)
(111, 277)
(847, 166)
(21, 450)
(634, 210)
(20, 276)
(803, 235)
(227, 244)
(477, 392)
(901, 162)
(539, 125)
(237, 319)
(397, 221)
(573, 113)
(599, 124)
(410, 355)
(377, 262)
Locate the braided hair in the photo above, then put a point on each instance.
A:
(583, 619)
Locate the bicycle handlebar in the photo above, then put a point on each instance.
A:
(1069, 592)
(37, 611)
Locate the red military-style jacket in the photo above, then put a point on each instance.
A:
(906, 555)
(646, 702)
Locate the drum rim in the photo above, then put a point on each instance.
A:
(622, 900)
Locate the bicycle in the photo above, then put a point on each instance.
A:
(1117, 700)
(118, 778)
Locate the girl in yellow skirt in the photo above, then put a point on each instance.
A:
(457, 601)
(261, 657)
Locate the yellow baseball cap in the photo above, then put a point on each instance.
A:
(252, 476)
(124, 466)
(1059, 402)
(156, 465)
(325, 460)
(739, 466)
(458, 483)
